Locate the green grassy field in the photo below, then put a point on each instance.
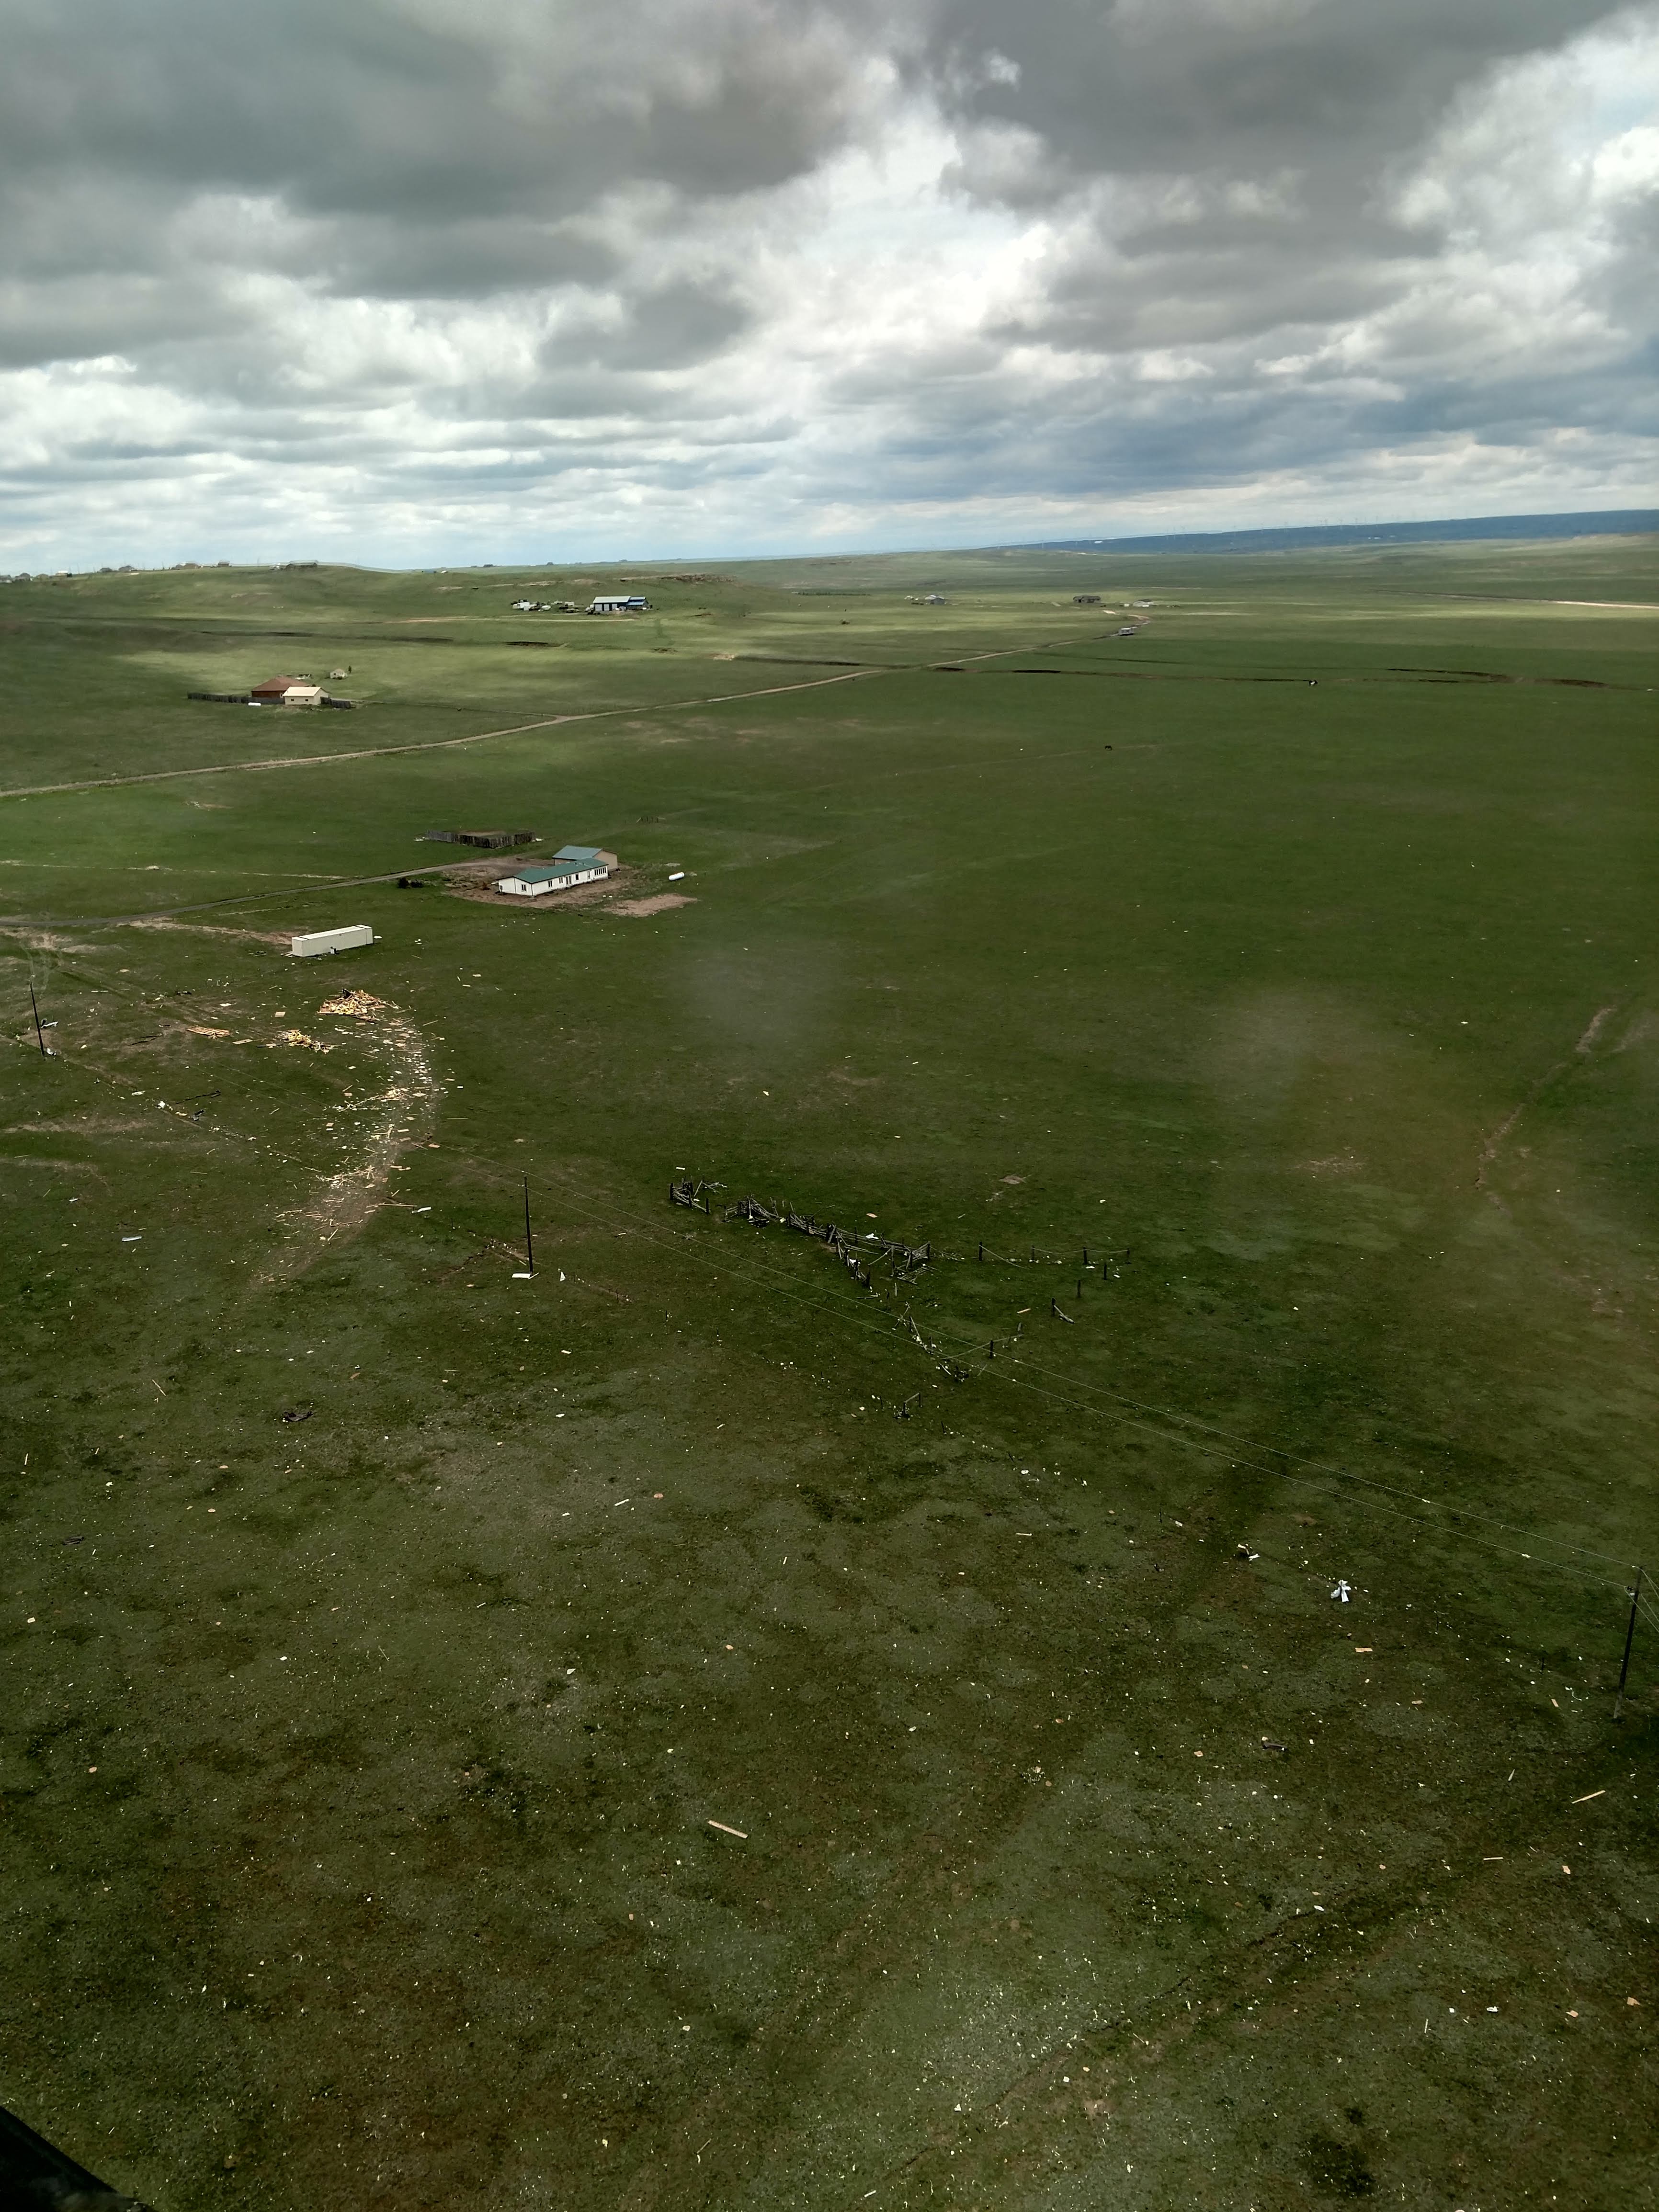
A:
(1239, 989)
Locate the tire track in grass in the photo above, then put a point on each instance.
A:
(426, 744)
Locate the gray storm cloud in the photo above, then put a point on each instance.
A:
(411, 278)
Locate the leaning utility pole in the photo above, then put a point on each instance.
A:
(1630, 1632)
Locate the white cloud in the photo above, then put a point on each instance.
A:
(524, 279)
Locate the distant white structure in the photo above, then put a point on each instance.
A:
(618, 603)
(317, 941)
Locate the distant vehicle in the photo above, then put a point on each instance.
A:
(1127, 630)
(614, 604)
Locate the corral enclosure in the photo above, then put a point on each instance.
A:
(693, 1728)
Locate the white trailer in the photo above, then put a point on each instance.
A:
(317, 941)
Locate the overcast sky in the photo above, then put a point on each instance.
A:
(431, 281)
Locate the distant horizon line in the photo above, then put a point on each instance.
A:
(1603, 522)
(1595, 522)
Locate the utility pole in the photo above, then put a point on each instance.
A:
(40, 1034)
(1630, 1632)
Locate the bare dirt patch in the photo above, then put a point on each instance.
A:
(1589, 1035)
(393, 1118)
(46, 940)
(211, 929)
(660, 904)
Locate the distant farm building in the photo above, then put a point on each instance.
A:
(316, 942)
(587, 856)
(614, 604)
(277, 691)
(287, 691)
(486, 840)
(557, 875)
(1085, 598)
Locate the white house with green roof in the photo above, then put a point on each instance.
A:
(559, 875)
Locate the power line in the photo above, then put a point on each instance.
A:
(1227, 1446)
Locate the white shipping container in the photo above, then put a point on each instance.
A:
(330, 941)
